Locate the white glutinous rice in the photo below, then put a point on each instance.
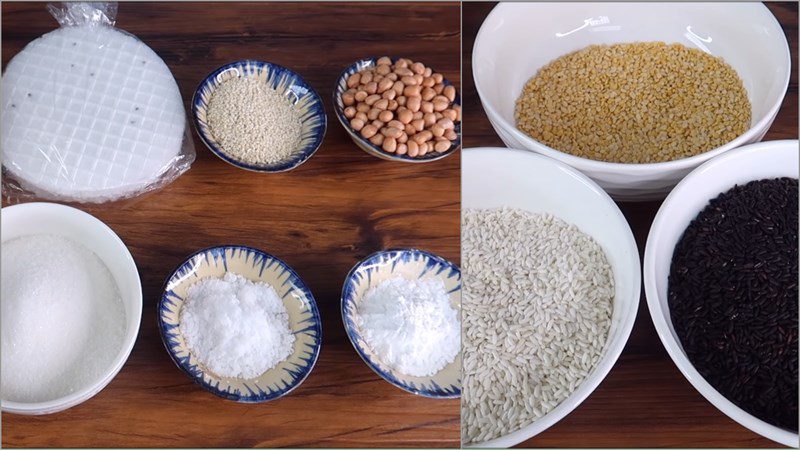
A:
(253, 122)
(537, 306)
(234, 327)
(63, 321)
(410, 325)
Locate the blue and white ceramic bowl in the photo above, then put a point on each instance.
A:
(365, 144)
(410, 264)
(255, 265)
(290, 84)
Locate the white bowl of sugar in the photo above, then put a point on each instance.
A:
(71, 296)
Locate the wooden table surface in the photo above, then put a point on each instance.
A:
(320, 218)
(645, 401)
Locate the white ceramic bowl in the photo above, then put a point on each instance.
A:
(50, 218)
(753, 162)
(495, 177)
(517, 39)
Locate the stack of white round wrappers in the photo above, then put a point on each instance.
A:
(89, 113)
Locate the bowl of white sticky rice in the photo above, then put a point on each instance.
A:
(71, 305)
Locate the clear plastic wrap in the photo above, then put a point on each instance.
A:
(90, 113)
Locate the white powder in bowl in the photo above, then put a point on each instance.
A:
(410, 325)
(234, 327)
(63, 321)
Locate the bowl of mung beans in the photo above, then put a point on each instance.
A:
(633, 95)
(259, 116)
(720, 275)
(398, 109)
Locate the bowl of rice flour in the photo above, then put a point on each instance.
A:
(71, 306)
(401, 310)
(259, 116)
(240, 323)
(551, 289)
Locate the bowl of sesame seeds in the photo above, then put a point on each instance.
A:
(259, 116)
(635, 96)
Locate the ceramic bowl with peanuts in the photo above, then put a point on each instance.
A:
(404, 111)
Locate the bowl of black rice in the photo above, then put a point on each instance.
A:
(721, 279)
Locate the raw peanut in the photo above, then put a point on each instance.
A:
(450, 114)
(385, 116)
(437, 77)
(384, 85)
(390, 144)
(438, 115)
(418, 78)
(409, 81)
(422, 136)
(368, 131)
(371, 87)
(360, 96)
(396, 124)
(410, 130)
(402, 149)
(377, 78)
(405, 115)
(418, 67)
(418, 115)
(446, 123)
(373, 114)
(393, 105)
(391, 76)
(362, 107)
(398, 87)
(440, 103)
(418, 125)
(423, 148)
(384, 60)
(403, 71)
(437, 130)
(457, 109)
(377, 139)
(412, 91)
(412, 145)
(362, 116)
(353, 80)
(366, 77)
(413, 103)
(438, 87)
(357, 124)
(389, 94)
(403, 138)
(372, 99)
(450, 134)
(381, 104)
(350, 112)
(428, 72)
(348, 99)
(377, 124)
(427, 94)
(441, 146)
(429, 119)
(413, 151)
(449, 92)
(383, 69)
(426, 107)
(392, 132)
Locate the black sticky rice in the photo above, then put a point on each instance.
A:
(733, 297)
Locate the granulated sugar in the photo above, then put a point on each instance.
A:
(410, 325)
(253, 122)
(234, 327)
(63, 320)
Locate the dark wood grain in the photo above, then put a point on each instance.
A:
(320, 218)
(644, 401)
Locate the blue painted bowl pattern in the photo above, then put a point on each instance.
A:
(365, 144)
(255, 265)
(288, 83)
(409, 264)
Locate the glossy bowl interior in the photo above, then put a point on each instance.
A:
(50, 218)
(410, 264)
(753, 162)
(497, 177)
(291, 85)
(517, 39)
(256, 266)
(365, 144)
